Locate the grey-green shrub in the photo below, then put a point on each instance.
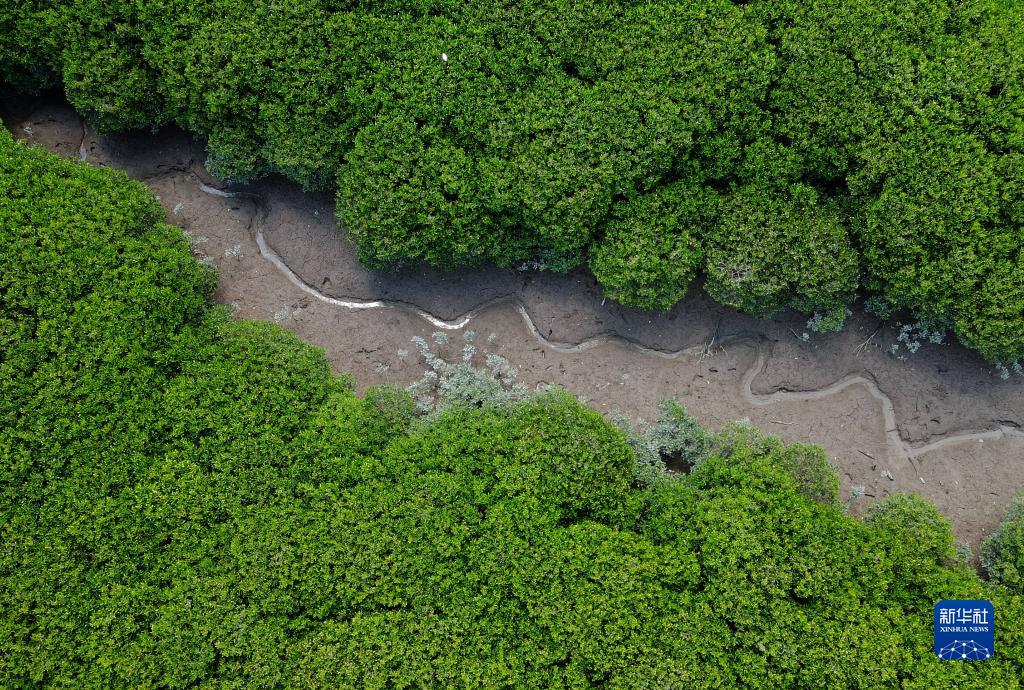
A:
(462, 383)
(676, 438)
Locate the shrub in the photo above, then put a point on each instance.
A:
(460, 383)
(911, 519)
(675, 442)
(941, 229)
(816, 479)
(739, 436)
(651, 251)
(918, 538)
(770, 253)
(991, 317)
(946, 250)
(1002, 554)
(29, 47)
(406, 193)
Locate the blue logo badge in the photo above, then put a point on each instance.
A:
(964, 630)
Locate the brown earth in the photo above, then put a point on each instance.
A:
(939, 422)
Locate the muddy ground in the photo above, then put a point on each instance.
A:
(939, 422)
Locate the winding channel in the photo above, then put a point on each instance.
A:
(899, 447)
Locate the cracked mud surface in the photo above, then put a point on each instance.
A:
(939, 423)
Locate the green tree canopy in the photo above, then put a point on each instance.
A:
(792, 151)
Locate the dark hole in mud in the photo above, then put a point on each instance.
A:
(676, 463)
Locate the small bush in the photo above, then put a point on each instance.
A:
(742, 435)
(651, 247)
(675, 442)
(769, 253)
(910, 518)
(1002, 554)
(815, 477)
(918, 537)
(461, 383)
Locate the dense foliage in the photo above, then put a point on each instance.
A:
(188, 500)
(792, 151)
(1002, 554)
